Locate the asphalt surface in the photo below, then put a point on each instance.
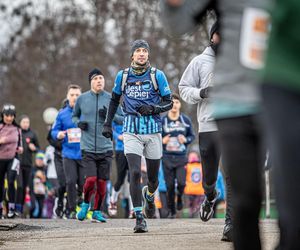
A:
(118, 234)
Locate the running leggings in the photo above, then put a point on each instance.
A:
(242, 156)
(5, 167)
(134, 162)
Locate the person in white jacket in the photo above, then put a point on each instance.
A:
(194, 88)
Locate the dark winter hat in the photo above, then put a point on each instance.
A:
(214, 29)
(139, 44)
(9, 109)
(93, 73)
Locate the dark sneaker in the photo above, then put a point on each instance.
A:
(171, 215)
(228, 233)
(72, 215)
(11, 214)
(1, 214)
(141, 225)
(59, 210)
(179, 205)
(149, 205)
(207, 208)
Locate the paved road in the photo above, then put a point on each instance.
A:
(118, 234)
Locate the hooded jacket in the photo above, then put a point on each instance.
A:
(198, 76)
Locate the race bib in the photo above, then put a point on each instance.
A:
(173, 145)
(74, 135)
(254, 35)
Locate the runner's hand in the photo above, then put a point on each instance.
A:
(107, 131)
(146, 110)
(82, 125)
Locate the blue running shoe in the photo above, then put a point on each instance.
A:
(141, 225)
(81, 215)
(98, 217)
(148, 204)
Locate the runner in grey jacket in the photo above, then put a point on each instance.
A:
(194, 87)
(196, 78)
(244, 26)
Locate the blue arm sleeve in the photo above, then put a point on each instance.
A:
(57, 126)
(162, 83)
(118, 83)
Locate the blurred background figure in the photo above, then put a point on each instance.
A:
(10, 145)
(38, 186)
(65, 130)
(30, 146)
(236, 102)
(194, 189)
(177, 134)
(281, 101)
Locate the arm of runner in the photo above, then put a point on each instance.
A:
(76, 112)
(165, 92)
(190, 82)
(57, 128)
(113, 107)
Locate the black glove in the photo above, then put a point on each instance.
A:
(102, 113)
(204, 93)
(107, 131)
(146, 110)
(82, 125)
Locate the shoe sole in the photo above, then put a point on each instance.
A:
(140, 230)
(97, 221)
(226, 239)
(80, 219)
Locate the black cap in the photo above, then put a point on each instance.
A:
(94, 72)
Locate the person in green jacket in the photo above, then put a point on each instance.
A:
(281, 100)
(89, 115)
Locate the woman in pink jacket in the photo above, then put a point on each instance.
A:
(10, 145)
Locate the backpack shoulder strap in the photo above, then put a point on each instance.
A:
(124, 78)
(153, 78)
